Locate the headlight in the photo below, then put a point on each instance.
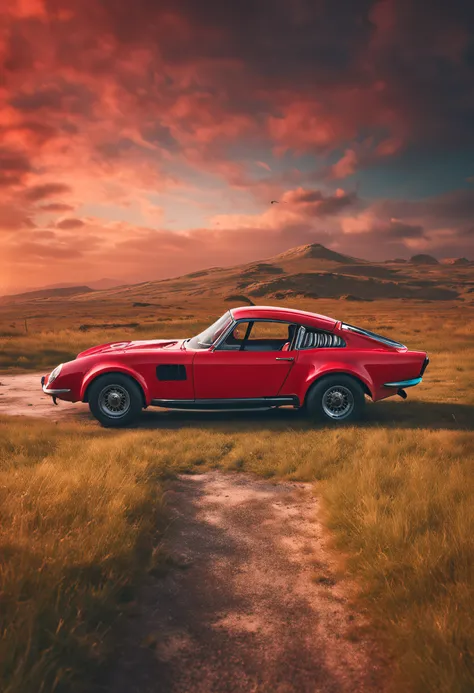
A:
(54, 374)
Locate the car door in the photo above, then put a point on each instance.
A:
(249, 364)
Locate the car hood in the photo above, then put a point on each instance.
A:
(141, 345)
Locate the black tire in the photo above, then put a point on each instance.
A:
(339, 394)
(115, 400)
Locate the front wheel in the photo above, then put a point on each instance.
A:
(115, 400)
(336, 399)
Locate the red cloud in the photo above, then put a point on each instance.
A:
(14, 166)
(40, 192)
(56, 207)
(345, 166)
(13, 218)
(315, 203)
(68, 224)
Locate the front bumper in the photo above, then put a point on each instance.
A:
(52, 391)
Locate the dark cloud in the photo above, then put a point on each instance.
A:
(69, 224)
(40, 192)
(116, 149)
(56, 207)
(400, 67)
(454, 208)
(60, 97)
(399, 230)
(14, 166)
(320, 205)
(397, 64)
(19, 52)
(423, 53)
(299, 43)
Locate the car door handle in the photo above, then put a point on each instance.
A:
(282, 358)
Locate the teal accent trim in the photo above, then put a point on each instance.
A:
(405, 383)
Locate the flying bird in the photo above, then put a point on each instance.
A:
(274, 202)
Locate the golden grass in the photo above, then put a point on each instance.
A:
(78, 513)
(397, 491)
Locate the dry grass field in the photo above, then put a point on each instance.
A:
(82, 508)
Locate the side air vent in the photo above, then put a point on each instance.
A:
(171, 371)
(317, 340)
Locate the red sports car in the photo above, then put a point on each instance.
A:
(251, 357)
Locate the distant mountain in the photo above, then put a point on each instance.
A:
(311, 271)
(105, 283)
(61, 292)
(424, 260)
(98, 285)
(456, 261)
(314, 251)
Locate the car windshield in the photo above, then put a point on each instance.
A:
(207, 338)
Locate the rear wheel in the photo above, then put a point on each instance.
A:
(336, 399)
(115, 400)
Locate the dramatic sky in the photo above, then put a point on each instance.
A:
(145, 138)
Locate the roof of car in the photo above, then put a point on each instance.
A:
(302, 317)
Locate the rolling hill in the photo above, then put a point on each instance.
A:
(310, 271)
(46, 293)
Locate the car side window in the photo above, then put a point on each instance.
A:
(316, 339)
(266, 330)
(260, 335)
(235, 340)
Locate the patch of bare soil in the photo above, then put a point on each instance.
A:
(21, 395)
(252, 604)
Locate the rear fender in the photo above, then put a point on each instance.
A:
(345, 369)
(103, 369)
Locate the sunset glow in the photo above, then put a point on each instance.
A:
(147, 139)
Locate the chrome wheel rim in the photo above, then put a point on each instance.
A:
(114, 401)
(338, 402)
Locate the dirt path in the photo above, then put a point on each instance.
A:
(254, 604)
(21, 395)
